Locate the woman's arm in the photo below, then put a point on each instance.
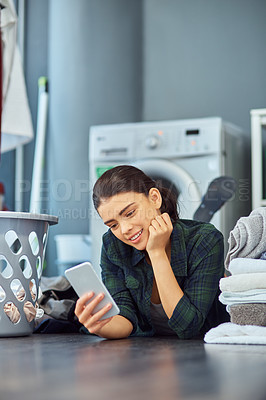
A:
(169, 290)
(118, 328)
(189, 308)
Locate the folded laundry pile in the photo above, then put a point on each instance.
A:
(247, 287)
(244, 291)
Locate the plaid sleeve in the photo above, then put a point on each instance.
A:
(113, 278)
(205, 270)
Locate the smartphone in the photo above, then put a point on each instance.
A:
(84, 279)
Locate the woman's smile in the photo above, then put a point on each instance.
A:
(137, 237)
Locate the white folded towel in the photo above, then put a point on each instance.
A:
(247, 239)
(247, 296)
(247, 265)
(243, 282)
(236, 334)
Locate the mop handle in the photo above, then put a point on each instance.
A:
(37, 173)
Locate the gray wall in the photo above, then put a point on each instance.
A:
(35, 65)
(7, 173)
(7, 177)
(94, 69)
(204, 58)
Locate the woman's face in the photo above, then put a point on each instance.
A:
(129, 215)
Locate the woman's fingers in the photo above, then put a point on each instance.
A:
(83, 309)
(100, 314)
(85, 312)
(94, 322)
(160, 221)
(81, 302)
(163, 222)
(155, 223)
(166, 218)
(89, 308)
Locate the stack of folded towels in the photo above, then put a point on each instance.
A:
(244, 291)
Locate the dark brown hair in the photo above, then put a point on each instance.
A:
(126, 178)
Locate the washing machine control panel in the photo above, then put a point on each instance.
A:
(152, 142)
(182, 138)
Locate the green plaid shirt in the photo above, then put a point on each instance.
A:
(197, 253)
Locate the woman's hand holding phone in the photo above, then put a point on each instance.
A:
(95, 307)
(84, 310)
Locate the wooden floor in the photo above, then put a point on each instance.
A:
(73, 366)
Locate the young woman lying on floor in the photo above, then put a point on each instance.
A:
(162, 271)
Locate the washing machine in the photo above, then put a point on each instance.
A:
(185, 155)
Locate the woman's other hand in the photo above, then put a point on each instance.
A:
(159, 233)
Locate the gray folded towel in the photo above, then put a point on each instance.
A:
(248, 314)
(247, 239)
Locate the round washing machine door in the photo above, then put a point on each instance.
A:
(176, 179)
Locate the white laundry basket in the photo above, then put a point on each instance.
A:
(23, 239)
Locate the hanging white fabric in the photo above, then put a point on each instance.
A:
(17, 126)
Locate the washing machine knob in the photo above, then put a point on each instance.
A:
(152, 142)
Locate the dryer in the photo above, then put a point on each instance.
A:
(186, 155)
